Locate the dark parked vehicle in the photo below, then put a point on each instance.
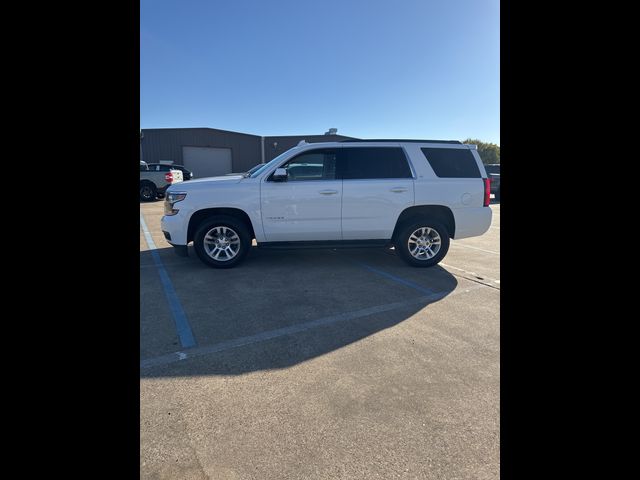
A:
(161, 167)
(493, 170)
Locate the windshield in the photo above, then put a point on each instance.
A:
(268, 165)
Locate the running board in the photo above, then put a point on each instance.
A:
(376, 243)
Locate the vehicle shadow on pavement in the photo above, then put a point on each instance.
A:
(279, 308)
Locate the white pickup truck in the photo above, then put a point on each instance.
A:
(413, 194)
(154, 183)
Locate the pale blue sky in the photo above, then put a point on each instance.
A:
(370, 68)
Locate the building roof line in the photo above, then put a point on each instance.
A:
(201, 128)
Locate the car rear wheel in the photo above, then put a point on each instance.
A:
(148, 191)
(222, 241)
(423, 243)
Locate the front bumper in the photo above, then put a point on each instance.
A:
(174, 228)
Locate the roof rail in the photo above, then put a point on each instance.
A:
(355, 140)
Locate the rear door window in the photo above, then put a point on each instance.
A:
(452, 162)
(375, 162)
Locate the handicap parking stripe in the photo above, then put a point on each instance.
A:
(399, 280)
(179, 317)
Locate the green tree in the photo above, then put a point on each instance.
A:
(489, 152)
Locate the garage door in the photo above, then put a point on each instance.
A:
(207, 161)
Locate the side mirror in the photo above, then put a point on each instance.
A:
(280, 175)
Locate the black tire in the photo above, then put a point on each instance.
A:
(228, 222)
(402, 242)
(148, 191)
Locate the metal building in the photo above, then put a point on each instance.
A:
(210, 151)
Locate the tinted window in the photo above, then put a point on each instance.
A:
(452, 162)
(313, 165)
(375, 162)
(163, 168)
(492, 169)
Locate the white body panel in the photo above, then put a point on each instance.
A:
(471, 222)
(299, 211)
(360, 210)
(177, 176)
(214, 192)
(464, 196)
(371, 207)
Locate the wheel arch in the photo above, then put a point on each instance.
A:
(439, 213)
(200, 215)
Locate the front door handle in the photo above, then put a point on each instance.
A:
(399, 189)
(328, 192)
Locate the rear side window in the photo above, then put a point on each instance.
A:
(452, 162)
(375, 162)
(161, 168)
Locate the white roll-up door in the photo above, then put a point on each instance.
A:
(207, 161)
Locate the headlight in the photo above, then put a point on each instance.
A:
(173, 197)
(170, 199)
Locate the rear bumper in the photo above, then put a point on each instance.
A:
(472, 221)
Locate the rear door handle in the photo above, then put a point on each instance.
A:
(399, 189)
(328, 192)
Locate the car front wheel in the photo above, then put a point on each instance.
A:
(222, 241)
(423, 243)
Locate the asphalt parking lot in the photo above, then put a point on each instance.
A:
(319, 364)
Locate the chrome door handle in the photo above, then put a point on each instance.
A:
(399, 189)
(328, 192)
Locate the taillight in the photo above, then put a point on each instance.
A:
(487, 192)
(168, 177)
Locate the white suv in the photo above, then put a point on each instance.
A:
(413, 194)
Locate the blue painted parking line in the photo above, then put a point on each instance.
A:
(179, 317)
(402, 281)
